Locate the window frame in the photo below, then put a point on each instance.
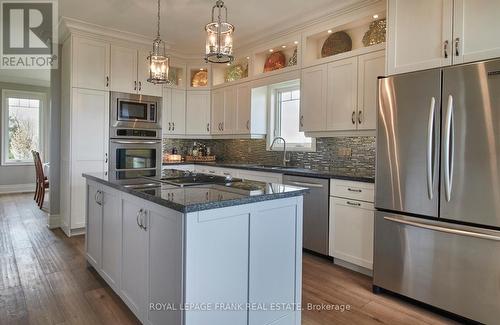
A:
(33, 95)
(273, 104)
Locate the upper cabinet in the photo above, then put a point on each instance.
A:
(198, 112)
(433, 33)
(342, 95)
(475, 30)
(90, 63)
(130, 71)
(174, 112)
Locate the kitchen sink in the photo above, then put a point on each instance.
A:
(276, 167)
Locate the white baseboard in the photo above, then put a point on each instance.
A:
(353, 267)
(54, 221)
(17, 188)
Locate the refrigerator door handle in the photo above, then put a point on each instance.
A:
(456, 231)
(448, 148)
(430, 149)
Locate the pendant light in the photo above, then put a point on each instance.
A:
(219, 44)
(159, 62)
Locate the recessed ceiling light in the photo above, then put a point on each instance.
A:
(296, 42)
(248, 58)
(330, 31)
(228, 63)
(201, 69)
(271, 50)
(375, 16)
(283, 46)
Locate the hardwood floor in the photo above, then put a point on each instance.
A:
(44, 279)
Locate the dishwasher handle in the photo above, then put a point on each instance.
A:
(313, 185)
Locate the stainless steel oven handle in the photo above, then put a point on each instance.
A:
(306, 184)
(430, 150)
(455, 231)
(135, 142)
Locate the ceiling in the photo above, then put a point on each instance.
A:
(183, 21)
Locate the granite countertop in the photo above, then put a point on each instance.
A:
(335, 173)
(200, 197)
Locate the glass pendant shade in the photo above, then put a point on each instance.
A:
(159, 62)
(219, 44)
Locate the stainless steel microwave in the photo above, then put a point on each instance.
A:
(135, 111)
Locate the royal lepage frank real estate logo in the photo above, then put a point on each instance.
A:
(28, 34)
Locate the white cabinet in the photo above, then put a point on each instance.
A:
(174, 112)
(93, 236)
(134, 286)
(217, 114)
(434, 33)
(419, 35)
(475, 30)
(165, 262)
(342, 95)
(370, 67)
(313, 98)
(90, 63)
(130, 71)
(351, 226)
(351, 223)
(112, 241)
(123, 69)
(224, 110)
(198, 112)
(243, 109)
(88, 148)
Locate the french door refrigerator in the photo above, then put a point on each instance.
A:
(437, 224)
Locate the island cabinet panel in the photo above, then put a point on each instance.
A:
(135, 257)
(217, 265)
(112, 236)
(272, 256)
(165, 265)
(93, 225)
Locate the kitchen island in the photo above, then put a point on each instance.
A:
(227, 253)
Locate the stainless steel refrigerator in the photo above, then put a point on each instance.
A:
(437, 224)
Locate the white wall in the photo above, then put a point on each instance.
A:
(14, 175)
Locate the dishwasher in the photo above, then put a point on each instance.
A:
(316, 214)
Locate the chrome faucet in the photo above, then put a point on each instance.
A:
(284, 149)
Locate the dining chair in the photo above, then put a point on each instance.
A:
(42, 182)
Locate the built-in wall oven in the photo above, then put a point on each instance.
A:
(135, 136)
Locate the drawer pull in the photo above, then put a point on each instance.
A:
(353, 203)
(357, 190)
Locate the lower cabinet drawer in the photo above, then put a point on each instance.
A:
(351, 231)
(352, 190)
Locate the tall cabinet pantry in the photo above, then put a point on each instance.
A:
(84, 123)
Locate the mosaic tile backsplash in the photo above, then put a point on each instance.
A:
(349, 153)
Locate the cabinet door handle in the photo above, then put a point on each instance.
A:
(445, 49)
(354, 190)
(135, 85)
(145, 223)
(360, 112)
(137, 218)
(107, 81)
(106, 157)
(457, 46)
(208, 127)
(173, 126)
(140, 85)
(353, 117)
(301, 120)
(222, 126)
(248, 125)
(353, 203)
(96, 197)
(169, 126)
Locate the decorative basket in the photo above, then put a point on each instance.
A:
(200, 158)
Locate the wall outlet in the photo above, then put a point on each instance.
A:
(345, 152)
